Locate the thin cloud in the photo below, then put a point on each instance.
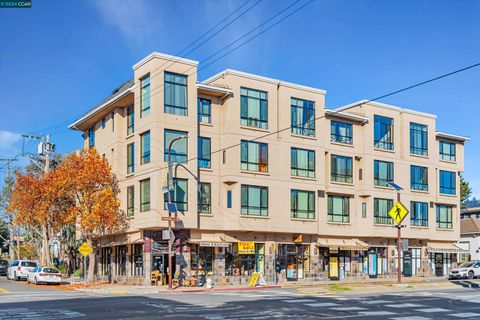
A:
(8, 140)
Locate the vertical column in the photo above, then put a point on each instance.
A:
(270, 274)
(219, 267)
(147, 257)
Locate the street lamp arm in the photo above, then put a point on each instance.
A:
(184, 167)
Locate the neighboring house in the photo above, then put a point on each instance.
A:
(470, 234)
(311, 199)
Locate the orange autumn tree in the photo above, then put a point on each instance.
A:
(35, 200)
(91, 196)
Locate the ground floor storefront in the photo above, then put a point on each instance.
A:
(230, 259)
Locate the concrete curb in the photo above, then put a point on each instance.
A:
(218, 289)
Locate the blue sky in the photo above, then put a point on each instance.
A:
(60, 58)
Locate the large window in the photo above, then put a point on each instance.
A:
(204, 152)
(444, 217)
(418, 178)
(383, 132)
(447, 151)
(121, 260)
(137, 259)
(145, 95)
(253, 108)
(341, 169)
(130, 158)
(338, 209)
(145, 195)
(179, 151)
(175, 94)
(418, 139)
(91, 138)
(303, 117)
(179, 194)
(254, 200)
(382, 173)
(130, 200)
(419, 214)
(145, 147)
(204, 197)
(447, 182)
(130, 120)
(302, 163)
(302, 204)
(204, 110)
(380, 211)
(341, 132)
(254, 156)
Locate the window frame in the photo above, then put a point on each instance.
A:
(415, 185)
(247, 164)
(246, 208)
(419, 219)
(245, 120)
(377, 181)
(295, 169)
(451, 156)
(174, 155)
(381, 124)
(182, 206)
(345, 215)
(307, 108)
(130, 201)
(382, 217)
(145, 205)
(177, 109)
(422, 130)
(295, 210)
(339, 177)
(91, 137)
(448, 223)
(130, 120)
(201, 114)
(447, 189)
(145, 155)
(204, 159)
(205, 207)
(335, 135)
(144, 91)
(131, 158)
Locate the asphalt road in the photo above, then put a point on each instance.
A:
(19, 301)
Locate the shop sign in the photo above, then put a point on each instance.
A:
(214, 244)
(297, 238)
(333, 249)
(246, 247)
(333, 267)
(257, 277)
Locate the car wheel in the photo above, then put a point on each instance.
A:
(15, 276)
(36, 280)
(470, 275)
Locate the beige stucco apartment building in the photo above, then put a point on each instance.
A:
(270, 180)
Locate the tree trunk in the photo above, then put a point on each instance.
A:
(91, 263)
(11, 248)
(18, 243)
(45, 261)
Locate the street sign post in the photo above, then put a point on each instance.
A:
(85, 250)
(398, 213)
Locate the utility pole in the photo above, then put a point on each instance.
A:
(10, 226)
(399, 239)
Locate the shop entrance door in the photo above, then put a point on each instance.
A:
(439, 264)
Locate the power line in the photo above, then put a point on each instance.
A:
(336, 111)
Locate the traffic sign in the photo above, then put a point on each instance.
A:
(85, 249)
(398, 212)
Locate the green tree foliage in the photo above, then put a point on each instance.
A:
(465, 191)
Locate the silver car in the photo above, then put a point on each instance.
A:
(466, 270)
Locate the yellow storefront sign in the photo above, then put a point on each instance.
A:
(254, 279)
(333, 267)
(398, 212)
(246, 247)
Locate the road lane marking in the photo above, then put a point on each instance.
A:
(4, 290)
(465, 315)
(428, 310)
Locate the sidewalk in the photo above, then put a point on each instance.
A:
(331, 287)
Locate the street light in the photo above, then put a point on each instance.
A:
(170, 187)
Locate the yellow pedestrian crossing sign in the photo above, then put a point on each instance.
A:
(398, 212)
(85, 249)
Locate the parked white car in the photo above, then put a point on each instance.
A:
(44, 275)
(468, 270)
(19, 269)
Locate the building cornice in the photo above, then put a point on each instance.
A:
(171, 58)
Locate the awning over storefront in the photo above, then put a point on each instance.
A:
(443, 247)
(213, 240)
(342, 244)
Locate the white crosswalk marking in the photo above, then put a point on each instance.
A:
(321, 304)
(432, 310)
(376, 313)
(411, 318)
(348, 308)
(403, 305)
(466, 315)
(377, 301)
(299, 300)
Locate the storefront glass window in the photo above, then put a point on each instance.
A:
(137, 260)
(245, 264)
(202, 260)
(122, 260)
